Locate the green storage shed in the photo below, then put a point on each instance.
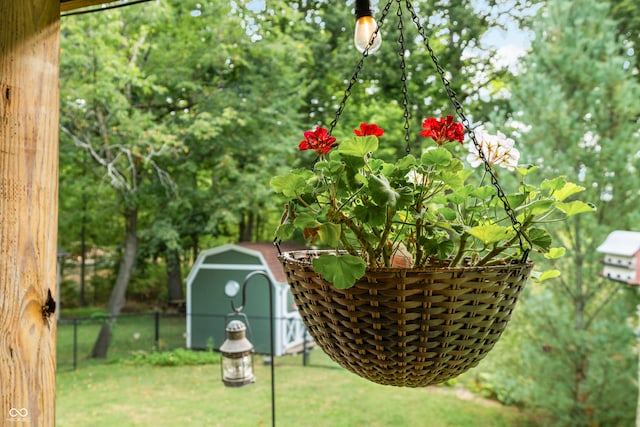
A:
(216, 278)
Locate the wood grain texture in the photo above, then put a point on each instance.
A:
(67, 5)
(29, 98)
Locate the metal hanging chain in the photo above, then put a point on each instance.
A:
(403, 78)
(347, 93)
(356, 71)
(517, 225)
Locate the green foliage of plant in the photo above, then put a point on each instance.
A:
(432, 207)
(69, 294)
(149, 284)
(101, 285)
(177, 357)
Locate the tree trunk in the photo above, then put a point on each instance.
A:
(174, 275)
(581, 358)
(195, 247)
(83, 239)
(29, 97)
(246, 227)
(117, 299)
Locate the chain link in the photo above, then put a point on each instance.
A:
(453, 97)
(517, 225)
(403, 78)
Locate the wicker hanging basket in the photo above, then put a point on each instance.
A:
(407, 327)
(411, 327)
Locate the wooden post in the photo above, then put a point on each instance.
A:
(29, 98)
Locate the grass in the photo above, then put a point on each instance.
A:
(108, 393)
(320, 395)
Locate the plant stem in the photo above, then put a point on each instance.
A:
(419, 252)
(385, 233)
(497, 250)
(461, 248)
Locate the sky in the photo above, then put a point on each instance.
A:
(511, 43)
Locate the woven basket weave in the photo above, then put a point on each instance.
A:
(407, 327)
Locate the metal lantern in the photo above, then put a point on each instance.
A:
(237, 356)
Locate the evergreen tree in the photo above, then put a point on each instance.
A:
(577, 113)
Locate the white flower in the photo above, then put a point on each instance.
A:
(497, 149)
(416, 178)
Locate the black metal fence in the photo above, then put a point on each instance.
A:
(131, 333)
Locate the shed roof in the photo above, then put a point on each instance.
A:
(270, 254)
(624, 243)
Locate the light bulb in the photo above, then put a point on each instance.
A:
(366, 27)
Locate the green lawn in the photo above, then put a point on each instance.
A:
(320, 395)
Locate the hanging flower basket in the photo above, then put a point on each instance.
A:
(407, 327)
(427, 255)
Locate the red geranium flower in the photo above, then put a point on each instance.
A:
(318, 140)
(443, 130)
(367, 129)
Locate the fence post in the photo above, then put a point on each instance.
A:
(305, 353)
(157, 328)
(75, 344)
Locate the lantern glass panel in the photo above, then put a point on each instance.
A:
(238, 368)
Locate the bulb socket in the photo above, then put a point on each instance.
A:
(363, 8)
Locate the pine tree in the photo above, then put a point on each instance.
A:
(577, 111)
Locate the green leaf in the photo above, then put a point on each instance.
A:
(526, 170)
(445, 249)
(438, 157)
(372, 215)
(567, 190)
(540, 238)
(447, 213)
(330, 234)
(555, 253)
(406, 162)
(576, 207)
(484, 192)
(516, 199)
(553, 184)
(546, 275)
(306, 220)
(332, 167)
(452, 179)
(382, 192)
(460, 195)
(352, 165)
(491, 233)
(292, 184)
(440, 199)
(341, 270)
(285, 231)
(380, 165)
(358, 147)
(433, 247)
(538, 207)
